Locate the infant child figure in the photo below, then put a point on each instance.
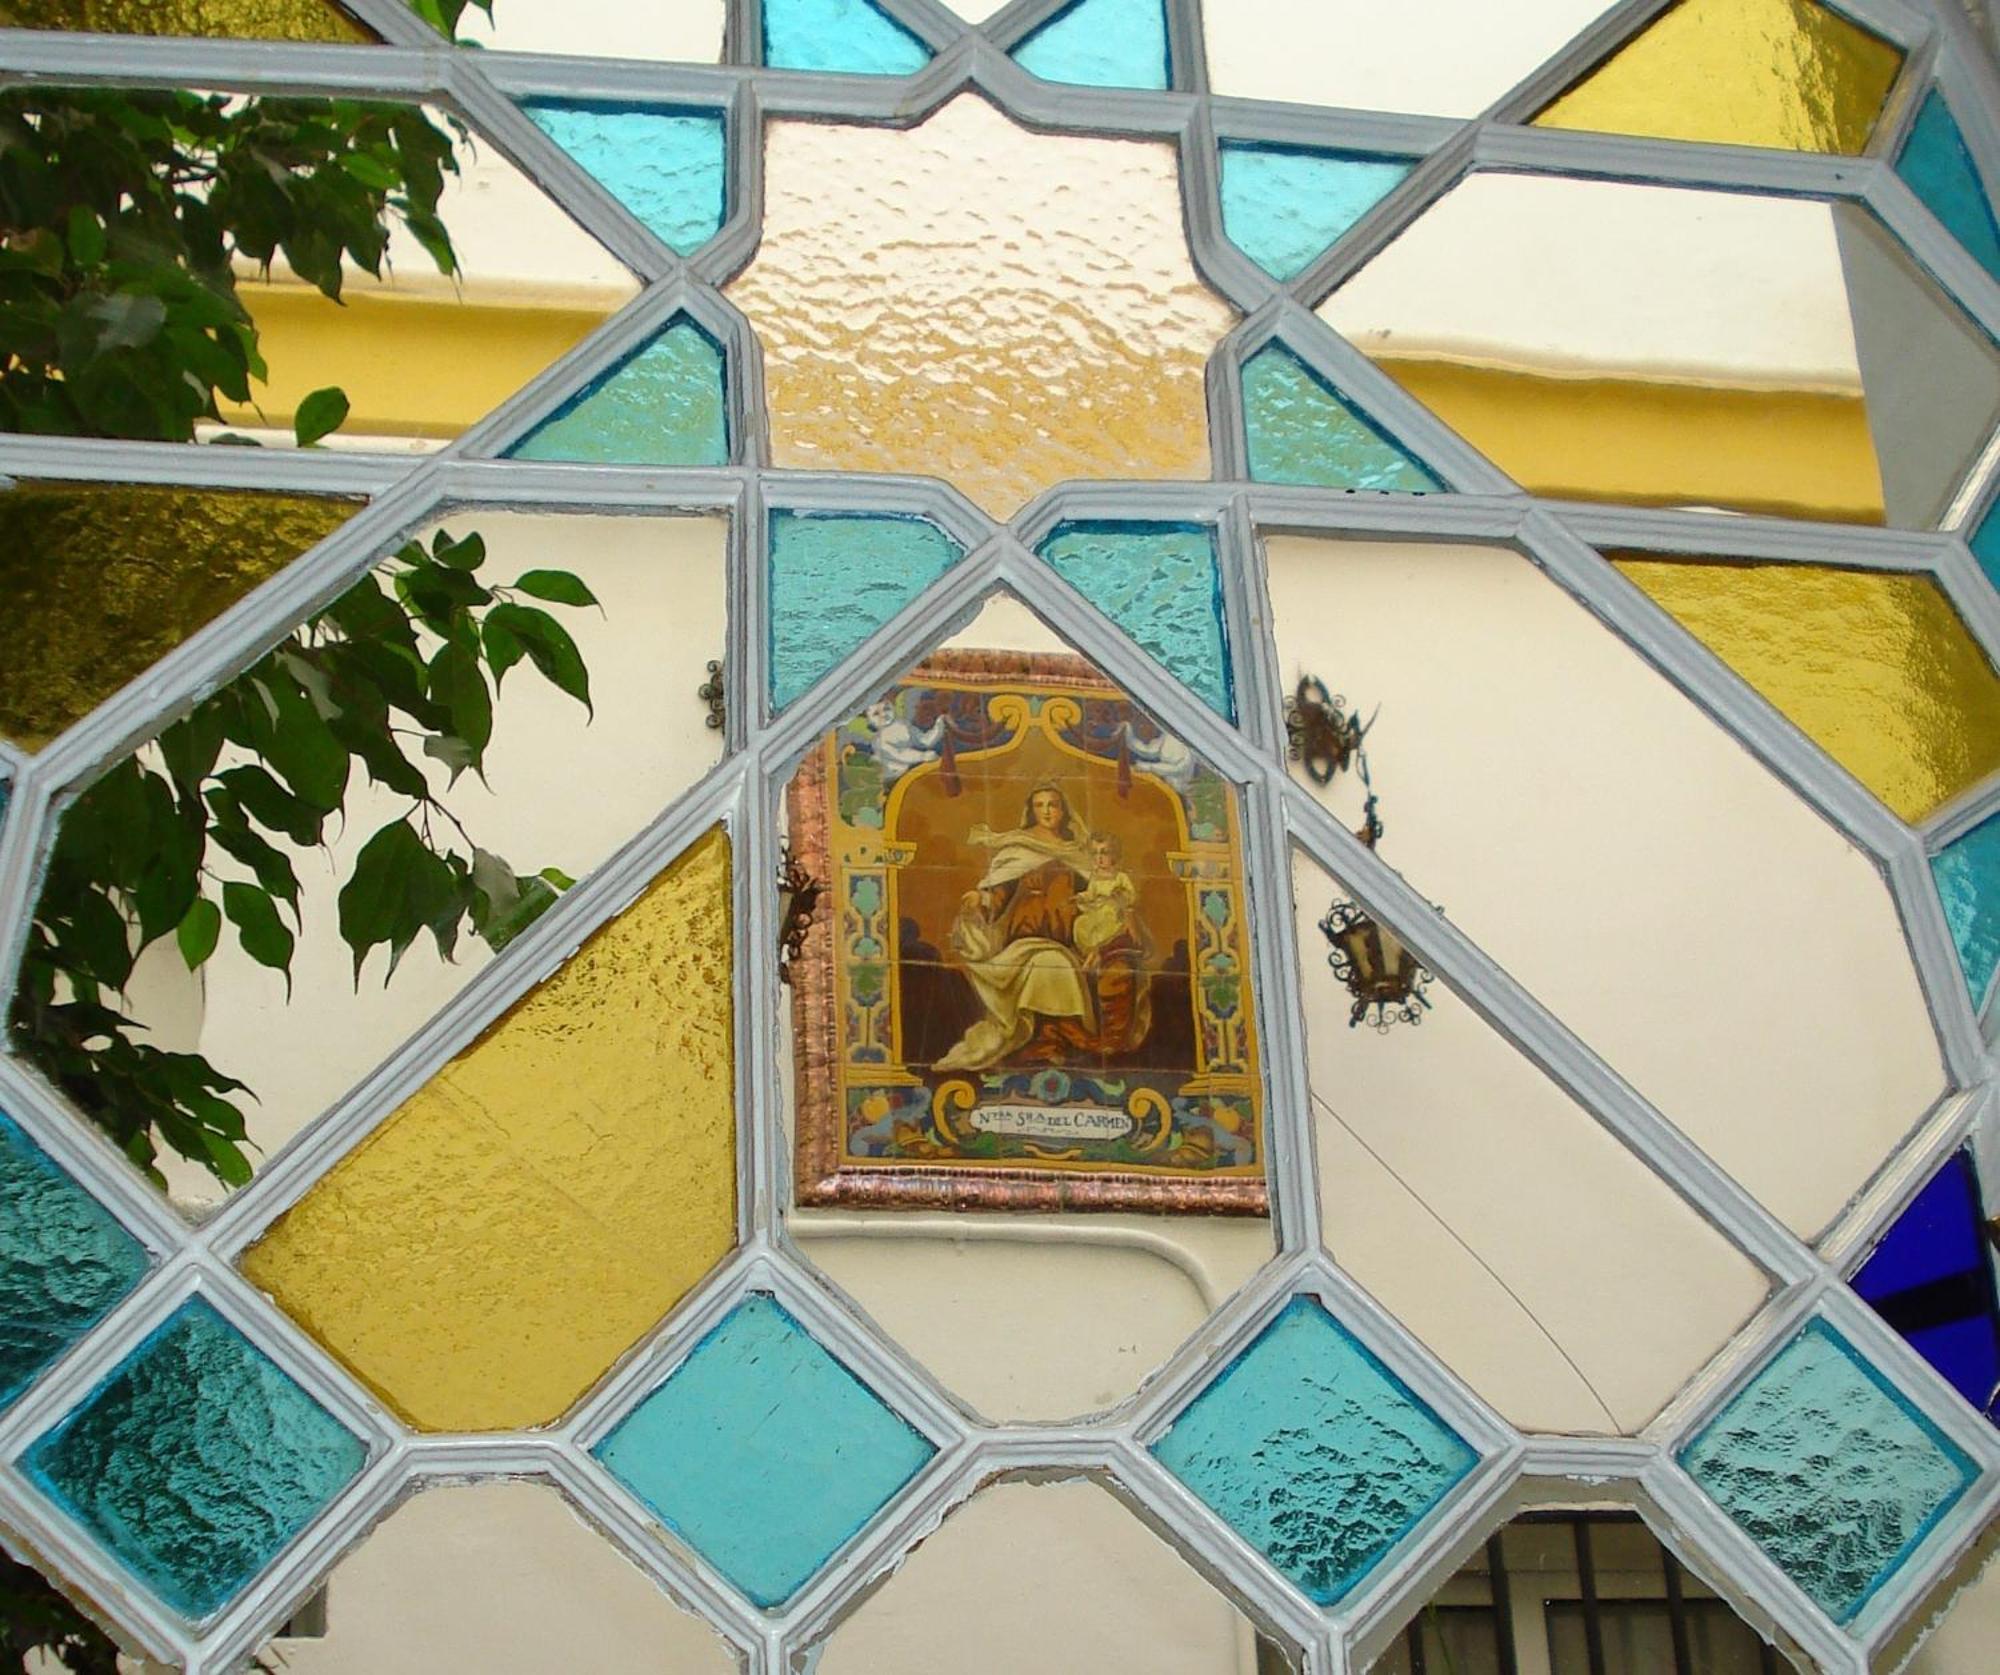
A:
(1105, 903)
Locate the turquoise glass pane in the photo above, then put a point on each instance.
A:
(1985, 544)
(1283, 208)
(196, 1462)
(849, 35)
(1968, 880)
(1314, 1452)
(666, 166)
(1937, 165)
(1300, 431)
(1101, 43)
(64, 1259)
(763, 1452)
(1161, 584)
(1829, 1469)
(835, 579)
(661, 405)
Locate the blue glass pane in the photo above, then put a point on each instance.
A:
(849, 35)
(1300, 431)
(1967, 871)
(763, 1452)
(1985, 543)
(666, 166)
(1160, 583)
(1282, 208)
(64, 1260)
(662, 405)
(835, 579)
(1101, 43)
(1932, 1280)
(1829, 1469)
(196, 1461)
(1937, 165)
(1314, 1452)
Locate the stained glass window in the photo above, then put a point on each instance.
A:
(1097, 834)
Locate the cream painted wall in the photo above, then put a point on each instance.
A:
(1723, 947)
(561, 789)
(1967, 1641)
(686, 30)
(502, 1579)
(1057, 1579)
(1606, 277)
(1498, 1219)
(1437, 57)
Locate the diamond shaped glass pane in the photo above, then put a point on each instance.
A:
(196, 1462)
(763, 1452)
(1314, 1452)
(1830, 1469)
(64, 1260)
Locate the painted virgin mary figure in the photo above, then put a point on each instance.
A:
(1044, 995)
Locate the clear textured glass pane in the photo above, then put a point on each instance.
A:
(1786, 73)
(1937, 165)
(196, 1461)
(64, 1259)
(764, 1452)
(664, 404)
(519, 1223)
(688, 31)
(1830, 1469)
(666, 166)
(849, 35)
(1968, 880)
(1048, 326)
(1283, 208)
(1638, 1638)
(837, 577)
(1314, 1452)
(1301, 431)
(1158, 582)
(1101, 43)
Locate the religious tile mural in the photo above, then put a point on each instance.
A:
(1032, 989)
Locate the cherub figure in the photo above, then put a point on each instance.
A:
(899, 745)
(1164, 756)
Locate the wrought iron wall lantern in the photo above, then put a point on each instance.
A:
(1386, 980)
(798, 901)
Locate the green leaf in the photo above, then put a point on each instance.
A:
(230, 1166)
(199, 931)
(549, 648)
(86, 236)
(258, 927)
(459, 553)
(125, 321)
(459, 684)
(557, 586)
(319, 414)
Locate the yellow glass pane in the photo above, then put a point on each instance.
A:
(269, 20)
(102, 581)
(519, 1223)
(969, 300)
(1784, 73)
(1877, 668)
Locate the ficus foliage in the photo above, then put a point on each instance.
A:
(399, 674)
(126, 213)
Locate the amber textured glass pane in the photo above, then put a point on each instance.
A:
(1784, 73)
(553, 1191)
(101, 582)
(264, 20)
(972, 301)
(1876, 668)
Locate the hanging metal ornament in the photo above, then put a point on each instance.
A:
(1373, 964)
